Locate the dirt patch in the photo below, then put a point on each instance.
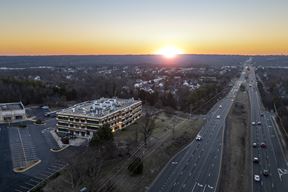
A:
(236, 160)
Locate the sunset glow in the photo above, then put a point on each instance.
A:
(169, 52)
(130, 27)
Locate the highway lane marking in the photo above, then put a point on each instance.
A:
(200, 185)
(193, 187)
(276, 129)
(210, 187)
(282, 172)
(204, 187)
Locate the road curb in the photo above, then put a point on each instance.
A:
(22, 170)
(59, 150)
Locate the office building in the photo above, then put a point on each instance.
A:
(83, 119)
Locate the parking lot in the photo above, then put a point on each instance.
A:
(35, 180)
(21, 145)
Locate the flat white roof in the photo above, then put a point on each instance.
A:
(11, 106)
(98, 108)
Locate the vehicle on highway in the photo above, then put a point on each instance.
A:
(253, 123)
(198, 138)
(259, 123)
(263, 145)
(218, 117)
(256, 160)
(257, 178)
(265, 172)
(254, 145)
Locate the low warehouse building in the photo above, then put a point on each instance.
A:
(12, 112)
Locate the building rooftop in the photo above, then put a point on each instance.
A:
(99, 107)
(11, 106)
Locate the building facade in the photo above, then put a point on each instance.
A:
(12, 112)
(84, 119)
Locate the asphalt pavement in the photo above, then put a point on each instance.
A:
(271, 157)
(19, 145)
(197, 167)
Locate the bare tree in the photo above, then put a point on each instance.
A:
(148, 126)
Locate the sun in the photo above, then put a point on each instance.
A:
(169, 52)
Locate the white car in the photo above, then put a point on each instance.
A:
(174, 163)
(259, 122)
(256, 160)
(254, 145)
(220, 106)
(257, 178)
(253, 123)
(218, 116)
(198, 138)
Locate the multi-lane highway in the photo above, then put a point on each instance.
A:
(197, 167)
(271, 157)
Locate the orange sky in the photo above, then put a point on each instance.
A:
(127, 27)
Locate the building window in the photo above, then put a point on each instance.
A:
(63, 130)
(18, 117)
(7, 118)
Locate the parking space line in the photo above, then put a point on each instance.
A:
(34, 181)
(27, 183)
(24, 187)
(18, 190)
(40, 178)
(53, 169)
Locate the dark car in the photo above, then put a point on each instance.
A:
(263, 145)
(265, 172)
